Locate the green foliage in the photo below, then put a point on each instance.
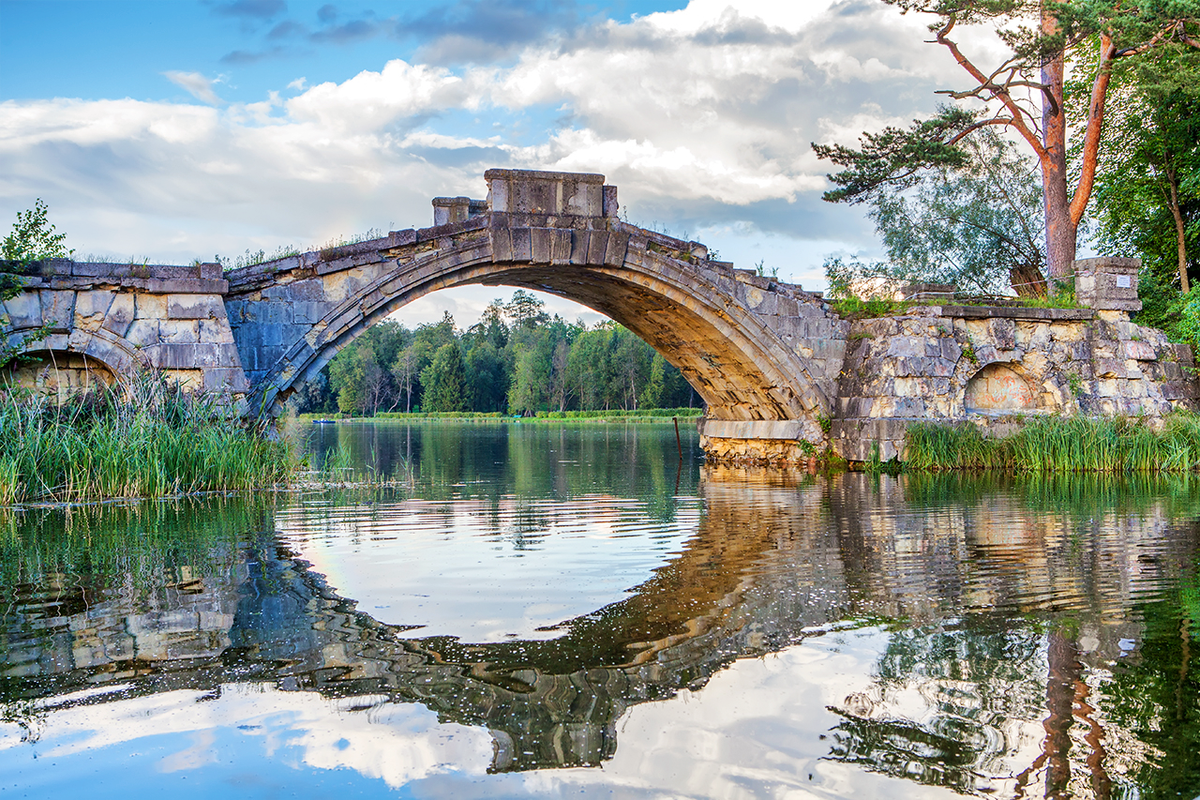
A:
(141, 439)
(893, 159)
(1058, 444)
(968, 226)
(848, 305)
(33, 237)
(516, 359)
(252, 258)
(445, 380)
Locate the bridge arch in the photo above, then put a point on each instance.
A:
(699, 314)
(76, 359)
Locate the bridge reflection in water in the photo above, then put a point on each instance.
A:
(1022, 621)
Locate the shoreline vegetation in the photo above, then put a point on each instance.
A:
(1058, 445)
(141, 438)
(618, 415)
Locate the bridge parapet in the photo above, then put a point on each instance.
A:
(126, 316)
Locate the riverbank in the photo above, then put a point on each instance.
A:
(610, 416)
(1060, 444)
(143, 439)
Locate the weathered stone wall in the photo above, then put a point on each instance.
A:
(125, 316)
(991, 366)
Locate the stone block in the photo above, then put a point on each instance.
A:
(307, 313)
(215, 331)
(142, 332)
(609, 199)
(171, 356)
(91, 306)
(1139, 351)
(215, 355)
(120, 313)
(581, 242)
(951, 349)
(906, 346)
(1003, 333)
(24, 311)
(617, 250)
(1109, 284)
(179, 331)
(231, 380)
(540, 242)
(560, 246)
(1109, 368)
(58, 309)
(151, 306)
(534, 192)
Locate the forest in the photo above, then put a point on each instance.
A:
(517, 359)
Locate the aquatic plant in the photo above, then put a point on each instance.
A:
(143, 437)
(1061, 444)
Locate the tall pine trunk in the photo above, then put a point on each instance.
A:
(1060, 227)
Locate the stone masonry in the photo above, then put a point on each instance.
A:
(124, 316)
(780, 373)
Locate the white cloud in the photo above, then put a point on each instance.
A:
(692, 113)
(196, 84)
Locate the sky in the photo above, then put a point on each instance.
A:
(171, 131)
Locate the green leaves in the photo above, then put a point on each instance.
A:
(893, 159)
(968, 225)
(33, 237)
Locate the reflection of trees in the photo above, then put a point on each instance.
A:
(1003, 626)
(1053, 577)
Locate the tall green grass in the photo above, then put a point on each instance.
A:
(1061, 444)
(141, 438)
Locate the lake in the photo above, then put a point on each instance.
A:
(586, 609)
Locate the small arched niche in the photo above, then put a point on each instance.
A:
(998, 389)
(56, 373)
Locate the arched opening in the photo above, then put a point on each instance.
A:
(524, 352)
(998, 389)
(56, 373)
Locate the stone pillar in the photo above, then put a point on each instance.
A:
(447, 210)
(1108, 284)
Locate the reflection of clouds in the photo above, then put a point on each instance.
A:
(483, 572)
(754, 731)
(395, 742)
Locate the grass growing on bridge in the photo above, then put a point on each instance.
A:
(141, 439)
(1061, 444)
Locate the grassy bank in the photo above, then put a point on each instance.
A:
(144, 439)
(616, 415)
(1058, 444)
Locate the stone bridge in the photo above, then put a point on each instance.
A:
(770, 360)
(755, 349)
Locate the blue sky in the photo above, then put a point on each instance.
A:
(179, 130)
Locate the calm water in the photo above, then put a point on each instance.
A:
(576, 610)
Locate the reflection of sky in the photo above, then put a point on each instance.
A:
(463, 568)
(760, 728)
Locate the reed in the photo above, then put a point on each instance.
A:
(142, 438)
(1061, 444)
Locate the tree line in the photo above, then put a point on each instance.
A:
(517, 359)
